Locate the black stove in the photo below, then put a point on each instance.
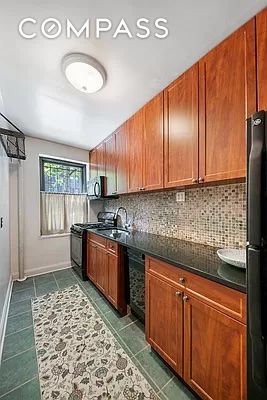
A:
(78, 240)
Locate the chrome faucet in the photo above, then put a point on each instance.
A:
(126, 216)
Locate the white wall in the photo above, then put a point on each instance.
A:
(5, 270)
(40, 254)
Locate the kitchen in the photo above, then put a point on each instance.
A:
(138, 262)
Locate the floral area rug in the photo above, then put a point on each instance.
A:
(78, 357)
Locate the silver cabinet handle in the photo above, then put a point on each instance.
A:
(142, 188)
(194, 180)
(178, 294)
(182, 280)
(201, 180)
(185, 298)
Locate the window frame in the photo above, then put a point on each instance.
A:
(43, 159)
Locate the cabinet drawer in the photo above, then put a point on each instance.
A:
(165, 271)
(97, 239)
(112, 247)
(224, 299)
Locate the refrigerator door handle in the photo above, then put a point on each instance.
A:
(255, 157)
(258, 361)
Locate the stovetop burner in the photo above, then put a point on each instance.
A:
(89, 225)
(105, 220)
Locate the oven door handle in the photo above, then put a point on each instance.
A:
(76, 234)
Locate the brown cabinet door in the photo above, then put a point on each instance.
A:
(181, 130)
(214, 353)
(101, 161)
(111, 169)
(101, 269)
(134, 152)
(153, 144)
(91, 261)
(122, 161)
(112, 262)
(227, 96)
(164, 321)
(261, 21)
(93, 164)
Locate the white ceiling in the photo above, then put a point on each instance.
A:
(41, 102)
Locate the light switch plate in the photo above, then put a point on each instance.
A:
(180, 197)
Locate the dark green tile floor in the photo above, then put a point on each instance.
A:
(19, 371)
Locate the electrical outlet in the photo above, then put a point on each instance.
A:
(180, 197)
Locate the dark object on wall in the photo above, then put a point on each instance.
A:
(12, 141)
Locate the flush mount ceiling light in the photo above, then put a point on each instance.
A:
(84, 72)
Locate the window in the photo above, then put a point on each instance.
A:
(63, 195)
(58, 176)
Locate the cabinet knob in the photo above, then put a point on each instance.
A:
(178, 294)
(185, 298)
(201, 180)
(182, 280)
(114, 192)
(194, 180)
(142, 188)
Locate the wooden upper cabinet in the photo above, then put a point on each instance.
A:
(122, 159)
(181, 130)
(134, 152)
(101, 159)
(261, 29)
(153, 144)
(93, 164)
(111, 167)
(227, 96)
(214, 353)
(203, 113)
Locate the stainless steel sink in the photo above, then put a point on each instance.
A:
(115, 232)
(118, 233)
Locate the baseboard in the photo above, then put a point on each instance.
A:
(4, 316)
(44, 270)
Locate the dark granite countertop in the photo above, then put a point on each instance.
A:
(196, 258)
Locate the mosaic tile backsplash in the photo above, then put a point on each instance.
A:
(214, 215)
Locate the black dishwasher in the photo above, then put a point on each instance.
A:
(136, 265)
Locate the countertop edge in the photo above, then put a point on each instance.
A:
(223, 282)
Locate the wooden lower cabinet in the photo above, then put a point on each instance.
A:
(205, 343)
(105, 268)
(164, 321)
(113, 278)
(101, 269)
(214, 352)
(91, 261)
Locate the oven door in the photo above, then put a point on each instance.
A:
(76, 249)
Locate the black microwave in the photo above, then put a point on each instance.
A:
(96, 187)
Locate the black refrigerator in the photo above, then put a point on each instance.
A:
(257, 255)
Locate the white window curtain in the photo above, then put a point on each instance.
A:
(60, 211)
